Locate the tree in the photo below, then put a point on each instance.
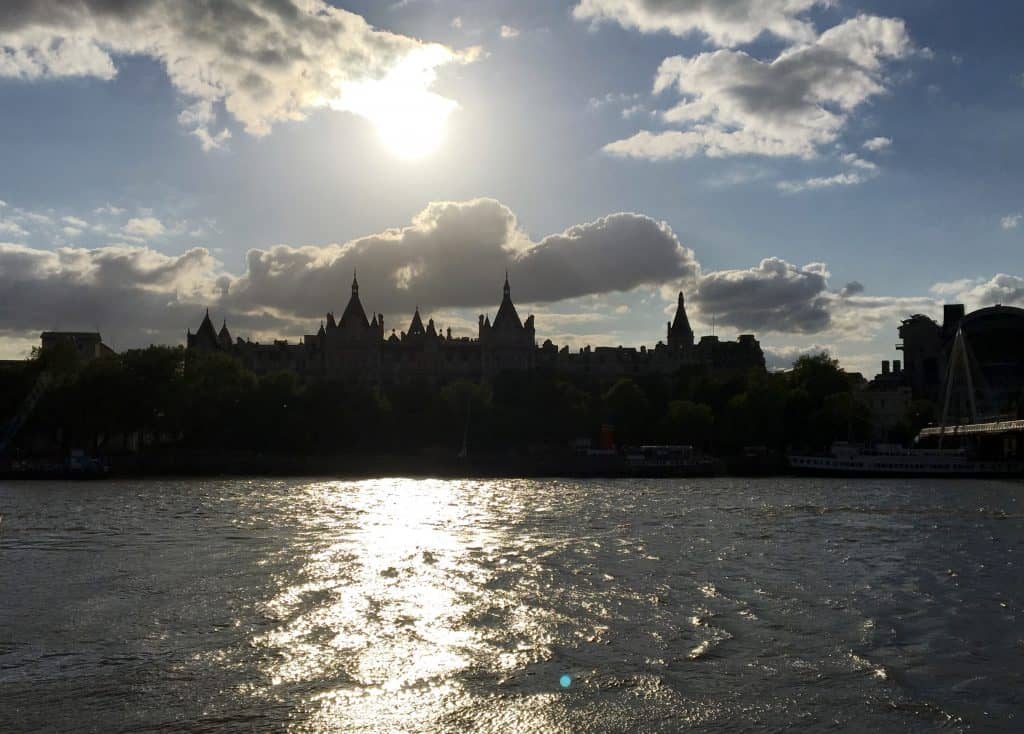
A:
(689, 423)
(627, 407)
(820, 376)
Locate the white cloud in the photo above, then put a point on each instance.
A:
(735, 104)
(724, 22)
(11, 229)
(877, 144)
(457, 22)
(852, 159)
(1001, 288)
(263, 63)
(508, 31)
(1011, 221)
(109, 209)
(840, 179)
(143, 228)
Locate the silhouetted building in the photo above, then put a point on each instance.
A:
(356, 349)
(87, 344)
(995, 341)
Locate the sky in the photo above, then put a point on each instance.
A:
(810, 171)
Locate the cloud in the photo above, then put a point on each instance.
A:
(774, 296)
(143, 228)
(1011, 221)
(840, 179)
(779, 297)
(782, 357)
(12, 229)
(735, 104)
(452, 255)
(724, 22)
(877, 144)
(1001, 288)
(134, 294)
(508, 31)
(852, 159)
(853, 288)
(263, 62)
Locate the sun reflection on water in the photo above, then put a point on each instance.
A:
(379, 603)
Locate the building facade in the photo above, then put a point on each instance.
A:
(356, 348)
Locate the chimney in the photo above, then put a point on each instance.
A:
(951, 315)
(896, 366)
(885, 366)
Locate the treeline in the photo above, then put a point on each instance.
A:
(164, 396)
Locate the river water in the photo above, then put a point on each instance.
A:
(512, 605)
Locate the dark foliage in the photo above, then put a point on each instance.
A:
(166, 397)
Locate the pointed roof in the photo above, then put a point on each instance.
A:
(393, 339)
(354, 313)
(321, 332)
(431, 329)
(330, 321)
(681, 323)
(507, 318)
(416, 327)
(206, 328)
(224, 336)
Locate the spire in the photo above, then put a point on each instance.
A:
(206, 336)
(507, 316)
(679, 332)
(354, 313)
(416, 327)
(224, 337)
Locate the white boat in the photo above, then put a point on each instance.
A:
(848, 459)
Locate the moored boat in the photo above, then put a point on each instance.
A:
(886, 460)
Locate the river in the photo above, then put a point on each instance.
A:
(512, 606)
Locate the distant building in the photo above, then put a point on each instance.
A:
(887, 397)
(87, 344)
(995, 342)
(356, 348)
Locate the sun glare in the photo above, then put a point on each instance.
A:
(409, 119)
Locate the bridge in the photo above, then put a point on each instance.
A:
(990, 428)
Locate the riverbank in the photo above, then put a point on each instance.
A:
(192, 463)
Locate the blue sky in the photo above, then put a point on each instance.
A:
(129, 209)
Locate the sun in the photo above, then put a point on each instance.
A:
(410, 120)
